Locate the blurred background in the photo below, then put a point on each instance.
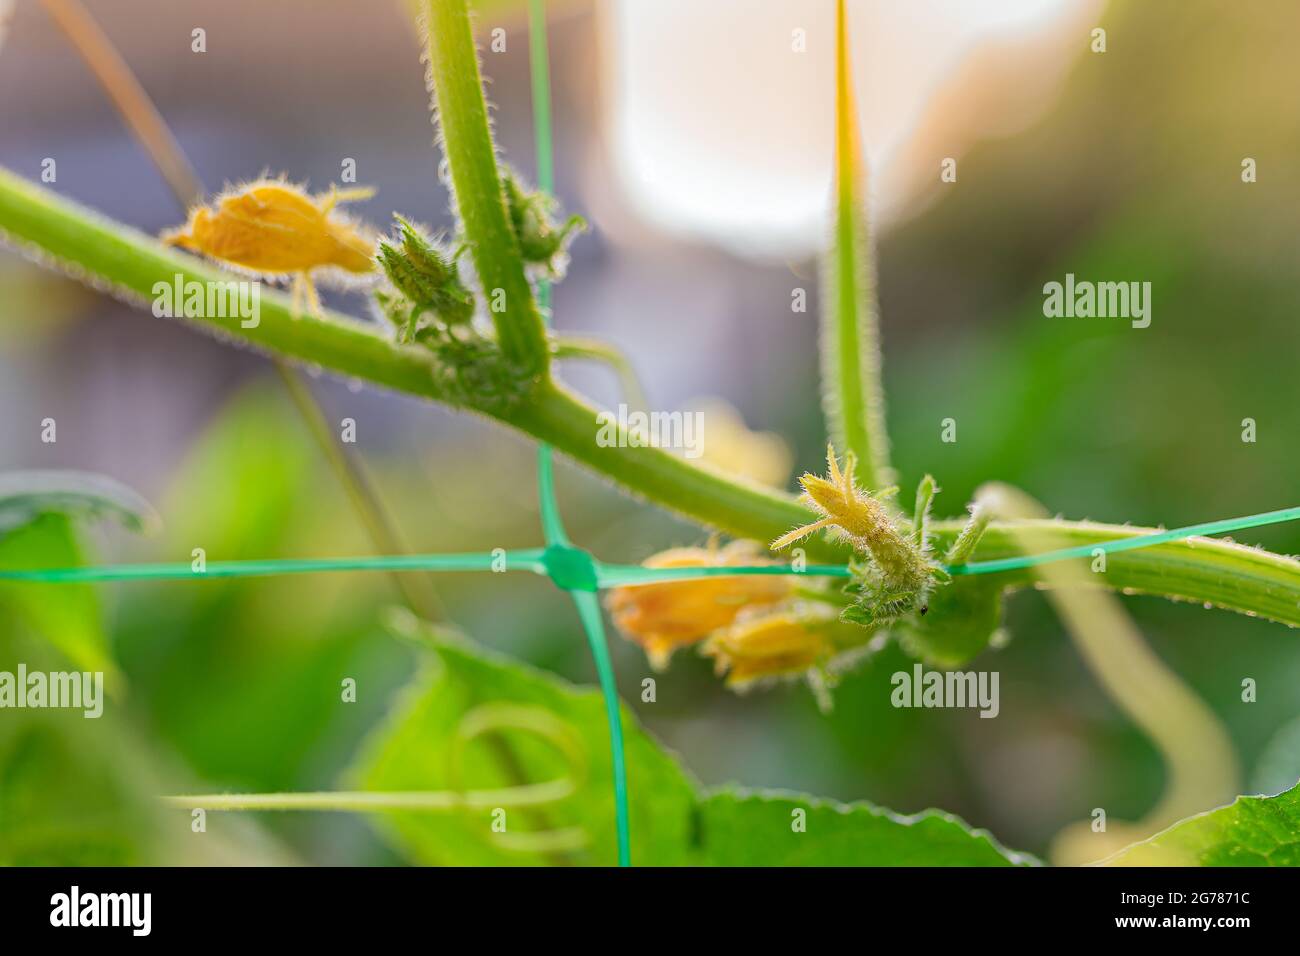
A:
(697, 142)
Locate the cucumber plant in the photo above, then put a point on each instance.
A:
(479, 340)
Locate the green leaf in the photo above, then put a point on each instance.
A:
(1252, 831)
(24, 495)
(461, 685)
(60, 803)
(69, 616)
(672, 822)
(746, 828)
(37, 509)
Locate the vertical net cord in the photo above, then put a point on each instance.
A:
(552, 526)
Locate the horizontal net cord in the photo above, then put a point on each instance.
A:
(1129, 544)
(522, 560)
(608, 575)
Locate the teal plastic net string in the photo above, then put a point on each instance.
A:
(573, 570)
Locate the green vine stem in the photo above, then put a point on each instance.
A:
(117, 259)
(480, 204)
(852, 393)
(1207, 571)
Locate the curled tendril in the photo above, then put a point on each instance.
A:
(478, 722)
(495, 718)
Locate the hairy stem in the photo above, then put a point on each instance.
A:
(117, 259)
(568, 422)
(852, 393)
(1207, 571)
(480, 203)
(534, 794)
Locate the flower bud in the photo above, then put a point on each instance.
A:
(425, 276)
(541, 241)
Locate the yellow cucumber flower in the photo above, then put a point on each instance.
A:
(771, 646)
(664, 616)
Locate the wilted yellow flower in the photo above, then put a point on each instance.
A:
(275, 228)
(664, 616)
(775, 645)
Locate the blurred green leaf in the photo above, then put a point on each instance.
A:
(1252, 831)
(78, 791)
(37, 512)
(56, 807)
(69, 795)
(414, 751)
(25, 495)
(744, 828)
(242, 676)
(69, 616)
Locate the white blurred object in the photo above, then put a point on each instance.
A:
(720, 130)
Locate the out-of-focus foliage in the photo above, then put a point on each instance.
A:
(65, 796)
(244, 677)
(25, 495)
(67, 615)
(78, 790)
(1279, 765)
